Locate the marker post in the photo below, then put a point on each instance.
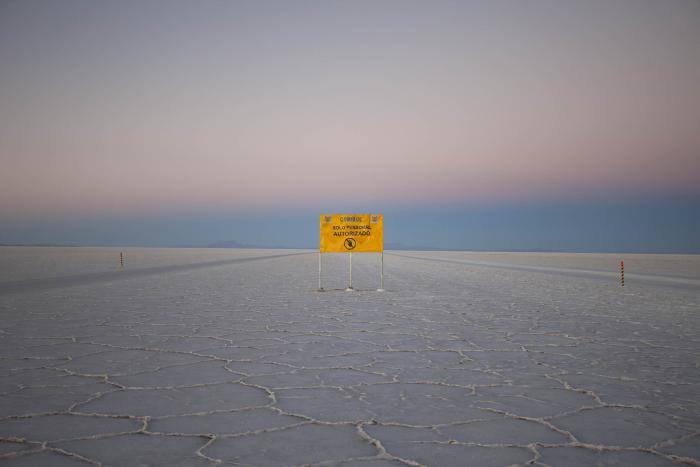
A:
(320, 287)
(381, 274)
(622, 273)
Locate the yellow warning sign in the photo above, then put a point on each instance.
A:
(356, 233)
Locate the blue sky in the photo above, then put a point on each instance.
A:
(669, 225)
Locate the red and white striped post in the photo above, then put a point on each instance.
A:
(622, 273)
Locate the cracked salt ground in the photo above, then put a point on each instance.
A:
(460, 362)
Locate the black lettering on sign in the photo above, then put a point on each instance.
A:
(364, 233)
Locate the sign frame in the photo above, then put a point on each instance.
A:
(351, 233)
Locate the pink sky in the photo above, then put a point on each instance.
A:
(123, 107)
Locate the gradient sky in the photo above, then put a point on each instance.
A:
(242, 117)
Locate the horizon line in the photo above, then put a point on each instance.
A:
(393, 247)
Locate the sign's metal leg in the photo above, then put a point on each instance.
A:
(320, 288)
(381, 276)
(350, 289)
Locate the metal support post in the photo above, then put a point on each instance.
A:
(350, 289)
(381, 276)
(320, 288)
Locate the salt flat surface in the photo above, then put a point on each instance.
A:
(660, 264)
(26, 263)
(242, 361)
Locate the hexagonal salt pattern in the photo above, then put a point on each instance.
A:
(245, 363)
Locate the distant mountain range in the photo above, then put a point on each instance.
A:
(38, 244)
(235, 244)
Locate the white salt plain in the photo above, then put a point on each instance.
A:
(210, 357)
